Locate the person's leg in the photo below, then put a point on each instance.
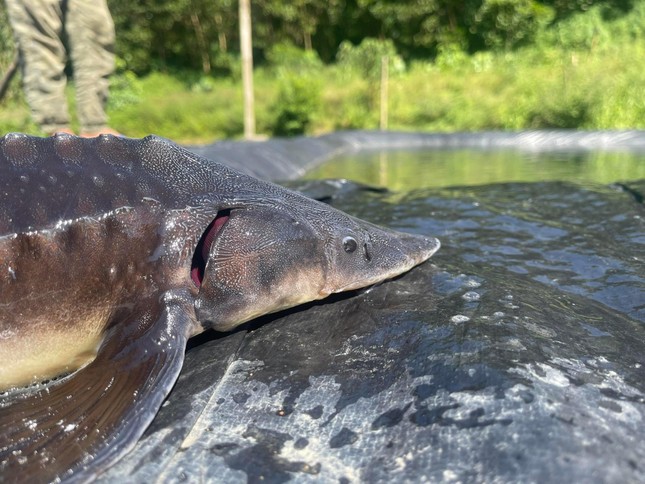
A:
(90, 33)
(37, 26)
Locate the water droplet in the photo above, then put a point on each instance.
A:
(459, 318)
(471, 296)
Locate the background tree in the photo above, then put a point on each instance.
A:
(297, 20)
(8, 58)
(180, 34)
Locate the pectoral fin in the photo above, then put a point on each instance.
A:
(96, 414)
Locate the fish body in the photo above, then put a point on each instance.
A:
(113, 253)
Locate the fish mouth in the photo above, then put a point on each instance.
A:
(202, 250)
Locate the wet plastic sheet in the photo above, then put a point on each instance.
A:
(515, 355)
(286, 159)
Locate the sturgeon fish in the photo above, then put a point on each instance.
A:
(113, 253)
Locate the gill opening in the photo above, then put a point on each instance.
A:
(202, 250)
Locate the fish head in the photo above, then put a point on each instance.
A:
(263, 259)
(361, 254)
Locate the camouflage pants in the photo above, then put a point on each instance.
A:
(38, 27)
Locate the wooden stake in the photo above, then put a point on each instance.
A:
(247, 68)
(384, 91)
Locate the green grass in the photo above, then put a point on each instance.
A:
(537, 87)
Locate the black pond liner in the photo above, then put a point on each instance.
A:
(516, 355)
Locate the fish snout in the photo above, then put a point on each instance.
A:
(377, 254)
(419, 248)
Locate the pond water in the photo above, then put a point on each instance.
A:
(411, 169)
(571, 220)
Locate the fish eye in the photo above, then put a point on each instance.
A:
(349, 244)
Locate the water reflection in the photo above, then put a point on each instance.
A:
(405, 170)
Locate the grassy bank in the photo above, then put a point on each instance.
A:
(591, 82)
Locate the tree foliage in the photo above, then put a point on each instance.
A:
(202, 35)
(179, 34)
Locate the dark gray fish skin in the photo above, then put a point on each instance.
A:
(97, 245)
